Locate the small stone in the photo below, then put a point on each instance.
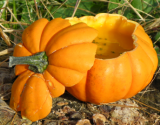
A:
(39, 123)
(59, 113)
(99, 119)
(75, 115)
(83, 114)
(63, 118)
(62, 103)
(83, 122)
(49, 122)
(92, 108)
(24, 124)
(105, 110)
(67, 109)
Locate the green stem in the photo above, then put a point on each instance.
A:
(37, 63)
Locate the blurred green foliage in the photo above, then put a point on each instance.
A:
(25, 10)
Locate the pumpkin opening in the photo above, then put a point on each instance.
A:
(114, 34)
(114, 38)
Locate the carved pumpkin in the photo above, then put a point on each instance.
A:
(53, 55)
(125, 60)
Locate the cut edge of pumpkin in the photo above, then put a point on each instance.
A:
(74, 20)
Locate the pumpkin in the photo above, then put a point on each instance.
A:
(125, 60)
(48, 61)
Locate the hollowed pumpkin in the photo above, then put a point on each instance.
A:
(125, 60)
(53, 55)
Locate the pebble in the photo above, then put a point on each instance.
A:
(83, 122)
(67, 109)
(99, 119)
(63, 118)
(75, 115)
(62, 103)
(105, 110)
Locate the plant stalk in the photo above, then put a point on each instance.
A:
(37, 63)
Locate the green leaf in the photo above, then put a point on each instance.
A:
(62, 12)
(137, 4)
(130, 14)
(148, 5)
(157, 36)
(143, 5)
(113, 5)
(99, 7)
(68, 9)
(28, 15)
(158, 54)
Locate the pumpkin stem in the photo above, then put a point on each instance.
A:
(37, 63)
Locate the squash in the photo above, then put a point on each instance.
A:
(125, 60)
(48, 61)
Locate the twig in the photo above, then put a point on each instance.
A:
(156, 23)
(13, 23)
(146, 105)
(4, 64)
(6, 83)
(28, 11)
(76, 7)
(157, 1)
(124, 8)
(6, 51)
(4, 5)
(82, 9)
(134, 10)
(154, 9)
(59, 7)
(125, 106)
(5, 108)
(12, 30)
(156, 40)
(47, 9)
(15, 17)
(121, 5)
(149, 84)
(2, 26)
(3, 61)
(36, 9)
(2, 97)
(13, 118)
(5, 37)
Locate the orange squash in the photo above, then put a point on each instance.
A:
(47, 61)
(125, 60)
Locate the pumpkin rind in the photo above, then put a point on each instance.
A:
(17, 89)
(51, 29)
(72, 55)
(121, 74)
(34, 97)
(20, 50)
(70, 36)
(55, 87)
(36, 101)
(32, 35)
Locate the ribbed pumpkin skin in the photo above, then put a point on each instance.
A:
(119, 76)
(32, 92)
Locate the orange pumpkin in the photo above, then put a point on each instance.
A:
(125, 60)
(47, 61)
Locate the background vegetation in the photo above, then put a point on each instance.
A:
(16, 15)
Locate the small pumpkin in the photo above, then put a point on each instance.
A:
(125, 60)
(47, 61)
